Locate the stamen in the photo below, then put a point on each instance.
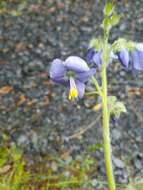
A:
(73, 93)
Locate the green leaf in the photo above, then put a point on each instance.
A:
(15, 13)
(95, 147)
(131, 187)
(22, 6)
(115, 18)
(106, 25)
(16, 153)
(4, 155)
(108, 22)
(3, 5)
(108, 9)
(139, 184)
(135, 185)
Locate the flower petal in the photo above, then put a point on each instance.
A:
(80, 87)
(113, 56)
(137, 60)
(72, 82)
(76, 64)
(94, 57)
(123, 57)
(97, 58)
(90, 55)
(139, 46)
(61, 81)
(57, 69)
(84, 76)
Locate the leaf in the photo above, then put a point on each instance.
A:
(4, 186)
(131, 187)
(95, 147)
(22, 6)
(5, 169)
(15, 13)
(135, 185)
(115, 19)
(16, 153)
(107, 24)
(140, 186)
(5, 90)
(108, 9)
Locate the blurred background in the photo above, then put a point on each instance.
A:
(35, 113)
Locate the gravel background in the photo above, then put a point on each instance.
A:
(35, 113)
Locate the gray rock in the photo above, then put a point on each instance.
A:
(54, 166)
(34, 66)
(94, 182)
(118, 163)
(22, 140)
(123, 27)
(116, 134)
(138, 164)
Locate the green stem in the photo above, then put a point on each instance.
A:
(91, 93)
(98, 88)
(106, 131)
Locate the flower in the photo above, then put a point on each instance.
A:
(94, 57)
(123, 57)
(72, 73)
(133, 58)
(137, 57)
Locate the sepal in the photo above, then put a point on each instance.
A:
(115, 107)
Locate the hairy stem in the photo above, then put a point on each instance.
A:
(106, 131)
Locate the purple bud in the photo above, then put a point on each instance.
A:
(123, 57)
(137, 60)
(94, 57)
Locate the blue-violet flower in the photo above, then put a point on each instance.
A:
(72, 73)
(123, 57)
(94, 57)
(137, 57)
(133, 58)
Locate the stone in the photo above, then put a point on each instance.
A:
(118, 163)
(116, 134)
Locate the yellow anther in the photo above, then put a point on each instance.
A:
(73, 93)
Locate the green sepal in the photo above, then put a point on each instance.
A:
(96, 43)
(115, 107)
(121, 44)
